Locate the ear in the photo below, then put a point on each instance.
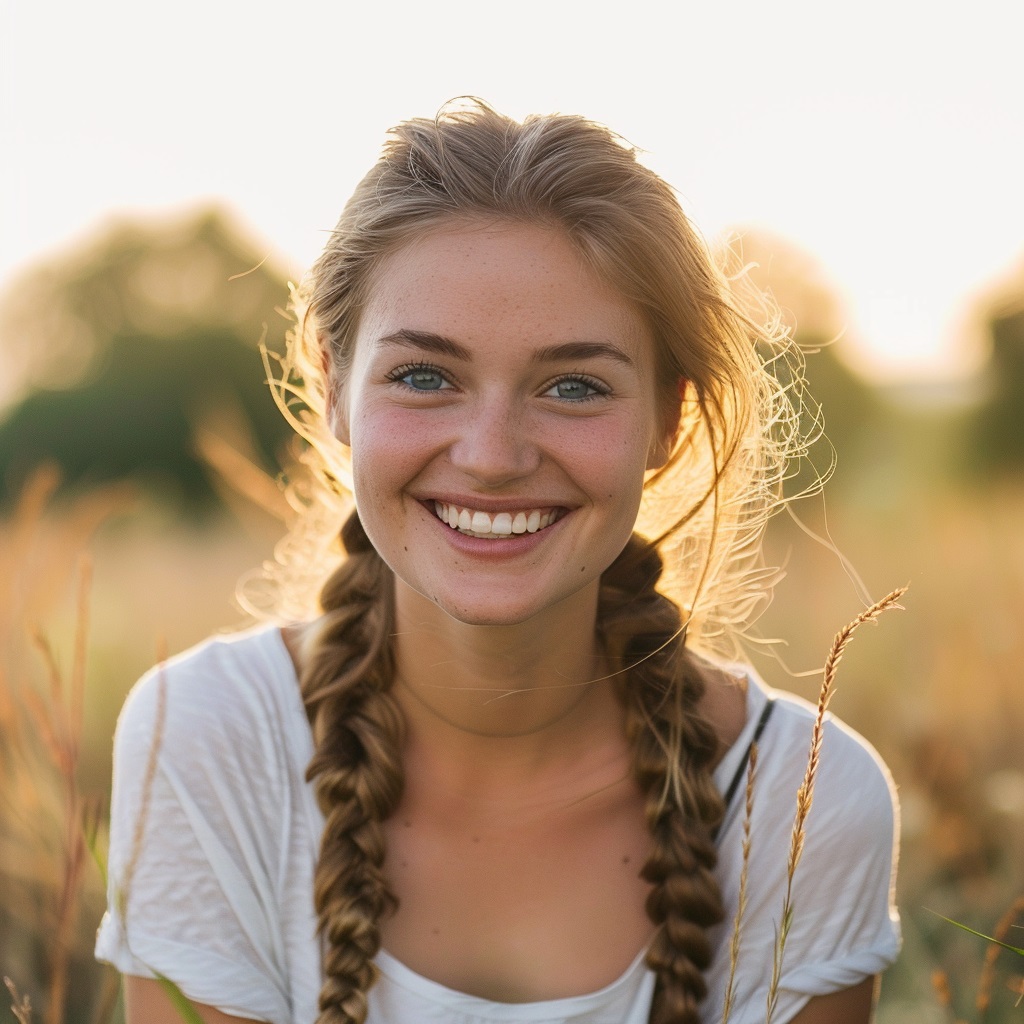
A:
(670, 409)
(335, 405)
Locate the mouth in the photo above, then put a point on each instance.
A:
(496, 525)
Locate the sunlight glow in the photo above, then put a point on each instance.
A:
(893, 157)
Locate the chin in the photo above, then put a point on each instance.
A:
(487, 616)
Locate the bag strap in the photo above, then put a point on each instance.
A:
(741, 769)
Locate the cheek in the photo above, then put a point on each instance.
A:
(390, 447)
(614, 450)
(388, 439)
(609, 463)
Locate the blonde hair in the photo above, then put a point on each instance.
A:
(702, 514)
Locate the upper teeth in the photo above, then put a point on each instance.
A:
(500, 524)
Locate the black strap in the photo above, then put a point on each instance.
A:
(741, 769)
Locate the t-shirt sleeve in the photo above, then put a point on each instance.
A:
(198, 810)
(844, 925)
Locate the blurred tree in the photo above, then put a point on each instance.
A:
(996, 436)
(121, 348)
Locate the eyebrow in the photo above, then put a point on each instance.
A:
(442, 346)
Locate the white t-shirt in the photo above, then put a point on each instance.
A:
(219, 887)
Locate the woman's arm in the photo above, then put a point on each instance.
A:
(850, 1006)
(146, 1002)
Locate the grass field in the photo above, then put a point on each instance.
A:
(936, 689)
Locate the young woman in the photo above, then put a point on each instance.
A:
(499, 775)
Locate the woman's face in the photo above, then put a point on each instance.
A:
(501, 410)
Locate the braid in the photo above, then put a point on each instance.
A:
(742, 421)
(357, 732)
(672, 750)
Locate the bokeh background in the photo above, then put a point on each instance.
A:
(167, 170)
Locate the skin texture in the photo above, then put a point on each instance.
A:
(516, 848)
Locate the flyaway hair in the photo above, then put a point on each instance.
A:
(691, 575)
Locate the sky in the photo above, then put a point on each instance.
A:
(885, 138)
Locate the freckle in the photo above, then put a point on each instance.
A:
(407, 823)
(435, 931)
(583, 568)
(405, 863)
(476, 839)
(625, 860)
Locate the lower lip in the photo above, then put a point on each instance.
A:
(514, 544)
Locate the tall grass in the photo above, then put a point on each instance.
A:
(48, 821)
(51, 753)
(805, 794)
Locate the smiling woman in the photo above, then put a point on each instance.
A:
(496, 375)
(490, 778)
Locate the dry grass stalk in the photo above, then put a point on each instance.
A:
(48, 824)
(944, 994)
(58, 726)
(805, 794)
(741, 905)
(241, 473)
(147, 792)
(68, 739)
(21, 1007)
(988, 971)
(39, 552)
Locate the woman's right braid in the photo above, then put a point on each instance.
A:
(673, 746)
(357, 768)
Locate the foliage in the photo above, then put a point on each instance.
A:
(997, 431)
(124, 348)
(136, 418)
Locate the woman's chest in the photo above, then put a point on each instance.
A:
(529, 908)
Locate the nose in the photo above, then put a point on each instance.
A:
(495, 445)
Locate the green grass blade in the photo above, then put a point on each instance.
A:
(93, 846)
(181, 1003)
(981, 935)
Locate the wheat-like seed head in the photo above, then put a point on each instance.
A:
(741, 903)
(805, 794)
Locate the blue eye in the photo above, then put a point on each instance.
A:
(575, 388)
(421, 378)
(424, 380)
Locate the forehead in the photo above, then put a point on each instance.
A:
(511, 279)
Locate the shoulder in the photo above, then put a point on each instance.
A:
(839, 870)
(213, 832)
(232, 699)
(854, 808)
(848, 843)
(852, 783)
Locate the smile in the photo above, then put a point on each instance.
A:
(474, 523)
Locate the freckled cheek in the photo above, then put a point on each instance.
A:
(389, 451)
(392, 443)
(611, 453)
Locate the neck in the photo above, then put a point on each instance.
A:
(490, 702)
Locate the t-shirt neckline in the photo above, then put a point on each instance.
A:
(399, 974)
